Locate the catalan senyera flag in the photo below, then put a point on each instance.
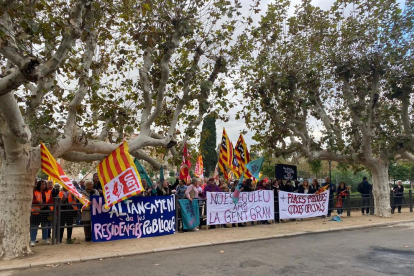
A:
(56, 173)
(243, 156)
(322, 189)
(119, 176)
(199, 168)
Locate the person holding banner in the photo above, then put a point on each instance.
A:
(68, 203)
(332, 188)
(86, 213)
(315, 186)
(341, 193)
(164, 189)
(304, 188)
(97, 184)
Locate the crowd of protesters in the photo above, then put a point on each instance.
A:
(45, 191)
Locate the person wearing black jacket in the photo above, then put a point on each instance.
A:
(315, 186)
(332, 188)
(288, 187)
(365, 192)
(341, 194)
(305, 188)
(398, 196)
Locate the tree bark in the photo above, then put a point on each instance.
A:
(16, 187)
(381, 189)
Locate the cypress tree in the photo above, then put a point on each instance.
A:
(208, 143)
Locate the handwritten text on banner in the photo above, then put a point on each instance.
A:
(136, 217)
(293, 205)
(252, 206)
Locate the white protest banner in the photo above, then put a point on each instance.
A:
(252, 206)
(293, 205)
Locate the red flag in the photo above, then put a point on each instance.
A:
(186, 165)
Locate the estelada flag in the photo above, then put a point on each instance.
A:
(223, 169)
(185, 165)
(119, 176)
(56, 173)
(226, 154)
(243, 156)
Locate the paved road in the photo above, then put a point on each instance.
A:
(375, 251)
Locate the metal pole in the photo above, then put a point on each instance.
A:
(54, 219)
(410, 196)
(59, 214)
(392, 201)
(348, 211)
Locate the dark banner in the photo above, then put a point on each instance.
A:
(136, 217)
(286, 172)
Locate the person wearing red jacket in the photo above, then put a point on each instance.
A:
(37, 217)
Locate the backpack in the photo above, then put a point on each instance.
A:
(360, 189)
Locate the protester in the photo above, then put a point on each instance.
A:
(341, 194)
(164, 189)
(211, 187)
(49, 203)
(192, 191)
(315, 186)
(276, 188)
(365, 188)
(262, 185)
(398, 196)
(180, 189)
(69, 213)
(332, 188)
(56, 190)
(82, 185)
(248, 186)
(96, 184)
(305, 188)
(86, 213)
(49, 186)
(39, 218)
(76, 185)
(288, 187)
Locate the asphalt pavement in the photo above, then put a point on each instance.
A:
(373, 251)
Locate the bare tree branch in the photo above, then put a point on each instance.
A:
(141, 155)
(66, 143)
(165, 72)
(82, 157)
(145, 84)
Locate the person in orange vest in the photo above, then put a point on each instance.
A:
(68, 214)
(37, 217)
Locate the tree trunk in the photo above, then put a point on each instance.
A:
(16, 193)
(381, 189)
